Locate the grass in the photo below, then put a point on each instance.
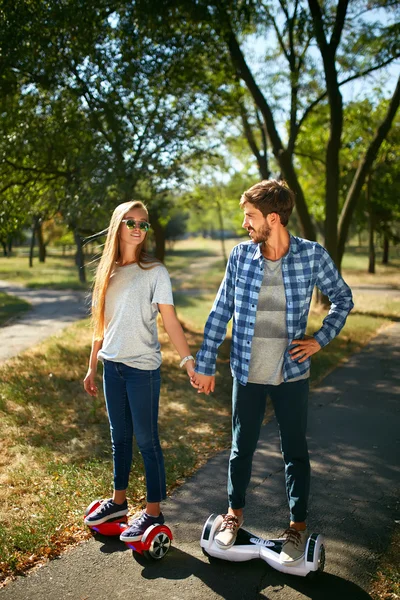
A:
(386, 581)
(55, 448)
(355, 265)
(11, 307)
(58, 272)
(55, 454)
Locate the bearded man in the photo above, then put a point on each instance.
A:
(267, 291)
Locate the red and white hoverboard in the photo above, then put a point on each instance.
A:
(155, 542)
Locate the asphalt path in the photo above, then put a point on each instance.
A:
(51, 311)
(354, 446)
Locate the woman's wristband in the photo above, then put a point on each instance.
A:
(185, 360)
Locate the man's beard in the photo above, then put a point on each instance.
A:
(261, 235)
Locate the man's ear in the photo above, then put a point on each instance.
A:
(273, 219)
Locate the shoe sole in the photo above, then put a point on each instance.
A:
(224, 546)
(136, 538)
(116, 515)
(293, 561)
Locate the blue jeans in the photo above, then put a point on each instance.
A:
(290, 401)
(132, 398)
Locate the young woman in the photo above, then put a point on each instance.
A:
(130, 289)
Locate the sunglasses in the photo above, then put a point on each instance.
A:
(132, 224)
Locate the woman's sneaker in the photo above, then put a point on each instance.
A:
(107, 511)
(294, 546)
(227, 532)
(137, 528)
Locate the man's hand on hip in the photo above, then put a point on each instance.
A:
(302, 349)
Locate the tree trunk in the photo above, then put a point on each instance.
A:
(385, 256)
(159, 239)
(221, 225)
(363, 170)
(328, 55)
(5, 252)
(33, 235)
(41, 244)
(79, 257)
(371, 227)
(283, 157)
(332, 176)
(321, 299)
(262, 159)
(371, 263)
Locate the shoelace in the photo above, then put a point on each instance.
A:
(140, 520)
(229, 522)
(105, 505)
(291, 535)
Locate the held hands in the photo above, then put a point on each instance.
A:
(89, 383)
(203, 383)
(304, 348)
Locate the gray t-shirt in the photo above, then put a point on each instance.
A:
(270, 332)
(131, 311)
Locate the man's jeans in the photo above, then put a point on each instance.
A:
(132, 398)
(290, 401)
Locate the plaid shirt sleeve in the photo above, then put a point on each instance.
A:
(219, 317)
(331, 283)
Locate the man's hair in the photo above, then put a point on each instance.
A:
(271, 196)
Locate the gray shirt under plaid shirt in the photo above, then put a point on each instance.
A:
(306, 265)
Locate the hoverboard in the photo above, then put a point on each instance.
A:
(248, 546)
(155, 542)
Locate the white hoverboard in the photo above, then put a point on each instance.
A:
(248, 546)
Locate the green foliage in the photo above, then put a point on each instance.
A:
(361, 119)
(117, 113)
(102, 102)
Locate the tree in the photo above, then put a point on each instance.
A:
(348, 40)
(378, 208)
(115, 115)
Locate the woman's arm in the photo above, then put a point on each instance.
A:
(176, 334)
(89, 382)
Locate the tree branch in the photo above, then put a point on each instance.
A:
(54, 172)
(280, 39)
(282, 155)
(317, 18)
(339, 24)
(248, 132)
(364, 168)
(351, 78)
(311, 157)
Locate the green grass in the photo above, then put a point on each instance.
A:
(355, 266)
(58, 272)
(11, 307)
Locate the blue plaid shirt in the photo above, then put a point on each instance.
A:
(306, 264)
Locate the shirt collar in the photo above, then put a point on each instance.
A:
(293, 248)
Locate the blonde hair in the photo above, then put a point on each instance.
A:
(111, 255)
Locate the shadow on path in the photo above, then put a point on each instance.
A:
(237, 581)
